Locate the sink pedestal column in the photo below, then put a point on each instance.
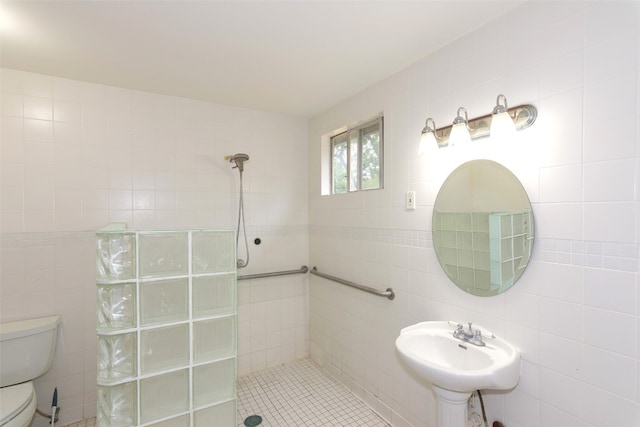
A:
(452, 407)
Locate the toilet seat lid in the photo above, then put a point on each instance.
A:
(14, 399)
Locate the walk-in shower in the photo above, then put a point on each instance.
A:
(239, 160)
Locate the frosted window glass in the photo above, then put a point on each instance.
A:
(164, 348)
(164, 301)
(213, 251)
(214, 295)
(116, 306)
(163, 254)
(214, 339)
(117, 405)
(115, 256)
(116, 357)
(224, 414)
(182, 421)
(214, 382)
(164, 395)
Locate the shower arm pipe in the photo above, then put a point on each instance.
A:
(389, 294)
(301, 270)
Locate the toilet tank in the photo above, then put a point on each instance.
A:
(27, 348)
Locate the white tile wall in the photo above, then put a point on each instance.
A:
(576, 311)
(76, 156)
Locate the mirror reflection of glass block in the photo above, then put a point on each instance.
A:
(519, 223)
(213, 251)
(481, 241)
(506, 225)
(214, 295)
(164, 348)
(466, 276)
(452, 270)
(181, 421)
(224, 414)
(464, 239)
(116, 306)
(448, 239)
(483, 279)
(481, 261)
(465, 258)
(506, 249)
(116, 357)
(507, 270)
(115, 256)
(214, 382)
(164, 301)
(164, 395)
(518, 246)
(214, 339)
(448, 220)
(463, 221)
(163, 254)
(449, 255)
(480, 221)
(117, 405)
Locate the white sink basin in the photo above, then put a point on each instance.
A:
(434, 353)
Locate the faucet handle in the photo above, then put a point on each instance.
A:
(459, 331)
(477, 338)
(470, 328)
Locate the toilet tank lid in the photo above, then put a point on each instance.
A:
(26, 327)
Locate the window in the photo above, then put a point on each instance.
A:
(356, 158)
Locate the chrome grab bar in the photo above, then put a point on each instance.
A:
(388, 293)
(301, 270)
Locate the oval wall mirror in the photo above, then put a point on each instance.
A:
(483, 227)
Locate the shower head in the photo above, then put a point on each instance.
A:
(238, 159)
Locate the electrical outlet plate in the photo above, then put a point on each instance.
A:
(411, 200)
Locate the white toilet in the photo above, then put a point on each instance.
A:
(27, 348)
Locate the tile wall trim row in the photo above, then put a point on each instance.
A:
(40, 239)
(602, 255)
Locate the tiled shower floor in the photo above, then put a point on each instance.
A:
(300, 394)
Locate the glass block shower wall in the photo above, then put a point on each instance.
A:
(167, 318)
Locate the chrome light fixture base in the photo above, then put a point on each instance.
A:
(523, 116)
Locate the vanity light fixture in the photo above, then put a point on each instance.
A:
(503, 128)
(522, 116)
(428, 139)
(460, 130)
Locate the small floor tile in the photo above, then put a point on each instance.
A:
(301, 394)
(296, 394)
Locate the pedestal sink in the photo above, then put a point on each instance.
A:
(455, 367)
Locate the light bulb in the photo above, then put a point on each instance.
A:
(459, 132)
(503, 129)
(459, 135)
(428, 141)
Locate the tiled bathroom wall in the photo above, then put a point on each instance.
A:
(575, 313)
(77, 156)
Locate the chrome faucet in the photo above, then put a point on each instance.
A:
(470, 335)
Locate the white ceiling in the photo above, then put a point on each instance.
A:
(293, 57)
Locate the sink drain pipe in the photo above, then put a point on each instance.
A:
(484, 414)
